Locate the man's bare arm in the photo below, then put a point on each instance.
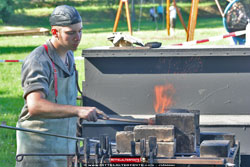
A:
(39, 106)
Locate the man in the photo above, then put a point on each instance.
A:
(172, 11)
(152, 13)
(50, 91)
(160, 12)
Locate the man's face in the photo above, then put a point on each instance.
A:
(70, 36)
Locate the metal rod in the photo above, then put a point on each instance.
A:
(219, 7)
(19, 157)
(150, 121)
(49, 134)
(42, 133)
(144, 121)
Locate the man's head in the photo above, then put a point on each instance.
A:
(64, 15)
(66, 27)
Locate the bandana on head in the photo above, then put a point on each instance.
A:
(64, 15)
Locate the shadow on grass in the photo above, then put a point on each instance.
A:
(15, 49)
(29, 21)
(97, 20)
(209, 22)
(94, 16)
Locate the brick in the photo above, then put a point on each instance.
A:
(215, 148)
(185, 122)
(218, 136)
(197, 124)
(185, 143)
(129, 128)
(123, 141)
(176, 110)
(164, 133)
(197, 116)
(165, 149)
(197, 136)
(186, 129)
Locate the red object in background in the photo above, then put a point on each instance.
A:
(10, 61)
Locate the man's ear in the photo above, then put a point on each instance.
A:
(54, 31)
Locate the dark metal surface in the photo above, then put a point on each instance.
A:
(96, 129)
(171, 51)
(212, 80)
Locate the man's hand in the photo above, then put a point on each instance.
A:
(91, 113)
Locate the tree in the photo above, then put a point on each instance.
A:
(6, 9)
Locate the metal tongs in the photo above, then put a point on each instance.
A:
(150, 121)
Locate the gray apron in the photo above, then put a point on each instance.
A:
(36, 143)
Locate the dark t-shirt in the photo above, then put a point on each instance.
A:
(37, 71)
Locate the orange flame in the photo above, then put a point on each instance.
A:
(163, 97)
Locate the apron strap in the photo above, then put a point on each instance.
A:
(55, 72)
(77, 85)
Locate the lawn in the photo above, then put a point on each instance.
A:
(98, 24)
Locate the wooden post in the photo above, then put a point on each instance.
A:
(128, 17)
(192, 20)
(180, 16)
(168, 16)
(119, 14)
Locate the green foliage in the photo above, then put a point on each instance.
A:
(6, 9)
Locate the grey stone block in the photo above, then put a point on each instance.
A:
(176, 110)
(129, 128)
(185, 122)
(218, 136)
(197, 136)
(215, 148)
(123, 141)
(197, 116)
(161, 132)
(185, 143)
(186, 129)
(165, 149)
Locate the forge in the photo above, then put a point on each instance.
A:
(141, 82)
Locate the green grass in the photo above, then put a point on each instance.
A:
(98, 24)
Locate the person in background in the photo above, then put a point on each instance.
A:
(160, 12)
(172, 11)
(152, 13)
(49, 83)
